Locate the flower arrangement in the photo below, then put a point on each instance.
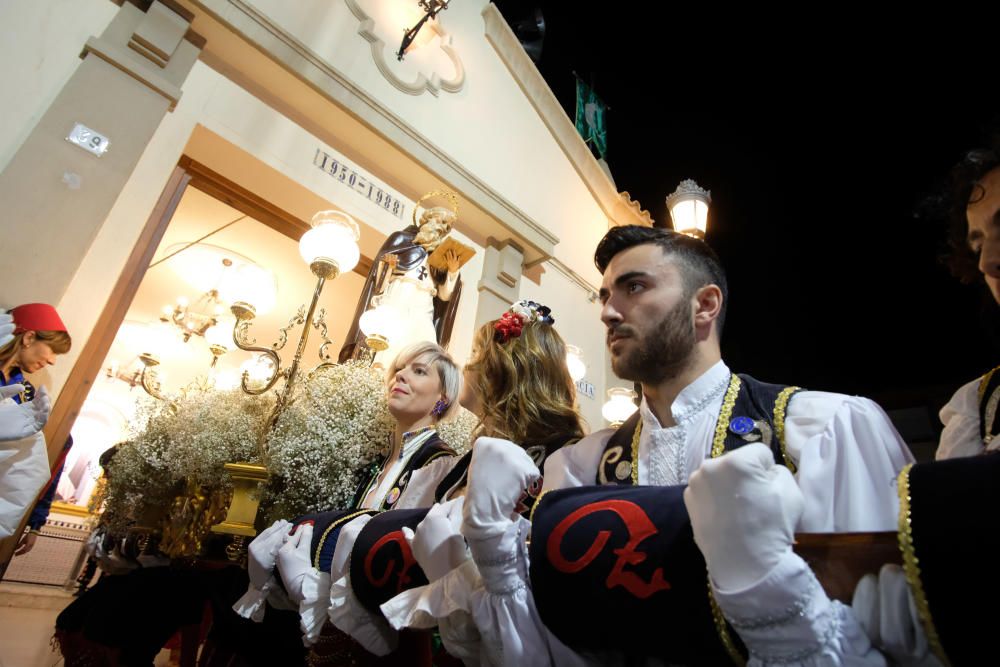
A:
(457, 431)
(335, 426)
(186, 444)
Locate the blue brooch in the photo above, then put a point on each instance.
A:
(741, 426)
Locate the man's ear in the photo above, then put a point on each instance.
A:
(708, 305)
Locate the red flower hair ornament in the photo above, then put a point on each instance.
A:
(524, 312)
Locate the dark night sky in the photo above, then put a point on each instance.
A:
(817, 143)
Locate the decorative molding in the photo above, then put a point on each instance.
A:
(636, 208)
(520, 66)
(118, 57)
(421, 83)
(263, 35)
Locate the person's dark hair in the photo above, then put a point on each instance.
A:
(965, 189)
(699, 264)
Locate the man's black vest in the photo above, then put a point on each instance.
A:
(752, 411)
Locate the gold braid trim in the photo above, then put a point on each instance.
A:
(339, 522)
(722, 628)
(718, 449)
(635, 453)
(985, 383)
(911, 566)
(780, 405)
(538, 501)
(719, 443)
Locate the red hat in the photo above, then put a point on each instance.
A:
(36, 317)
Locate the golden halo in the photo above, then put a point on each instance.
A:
(450, 196)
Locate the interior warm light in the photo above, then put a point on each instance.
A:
(620, 405)
(378, 325)
(333, 238)
(575, 363)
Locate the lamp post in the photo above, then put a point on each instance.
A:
(688, 206)
(330, 248)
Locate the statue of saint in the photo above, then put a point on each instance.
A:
(422, 298)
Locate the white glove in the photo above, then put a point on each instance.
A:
(6, 327)
(499, 475)
(885, 608)
(743, 509)
(438, 544)
(19, 421)
(294, 562)
(263, 552)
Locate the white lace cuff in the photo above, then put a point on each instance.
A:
(787, 619)
(502, 560)
(253, 603)
(425, 606)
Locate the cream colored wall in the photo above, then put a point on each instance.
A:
(40, 43)
(239, 123)
(488, 126)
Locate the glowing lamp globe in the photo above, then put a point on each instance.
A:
(574, 361)
(377, 324)
(331, 246)
(688, 206)
(620, 405)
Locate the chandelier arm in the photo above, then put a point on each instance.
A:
(320, 324)
(151, 386)
(298, 318)
(240, 336)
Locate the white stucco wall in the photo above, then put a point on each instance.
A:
(40, 43)
(489, 126)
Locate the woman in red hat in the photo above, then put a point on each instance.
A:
(38, 336)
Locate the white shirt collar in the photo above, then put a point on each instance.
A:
(410, 445)
(694, 398)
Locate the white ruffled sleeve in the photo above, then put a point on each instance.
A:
(419, 492)
(345, 611)
(446, 604)
(848, 456)
(960, 417)
(787, 619)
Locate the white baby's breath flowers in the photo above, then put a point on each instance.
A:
(335, 427)
(190, 444)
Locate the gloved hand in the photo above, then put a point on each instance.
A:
(295, 562)
(263, 552)
(885, 608)
(438, 544)
(6, 327)
(743, 509)
(26, 419)
(499, 475)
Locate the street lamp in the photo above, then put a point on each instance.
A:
(688, 206)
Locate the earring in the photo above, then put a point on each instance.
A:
(440, 407)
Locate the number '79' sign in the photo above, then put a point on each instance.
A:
(88, 139)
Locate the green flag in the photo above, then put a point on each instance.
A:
(590, 113)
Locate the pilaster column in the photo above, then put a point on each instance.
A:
(500, 283)
(57, 195)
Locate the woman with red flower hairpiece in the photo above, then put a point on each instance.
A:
(518, 383)
(38, 335)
